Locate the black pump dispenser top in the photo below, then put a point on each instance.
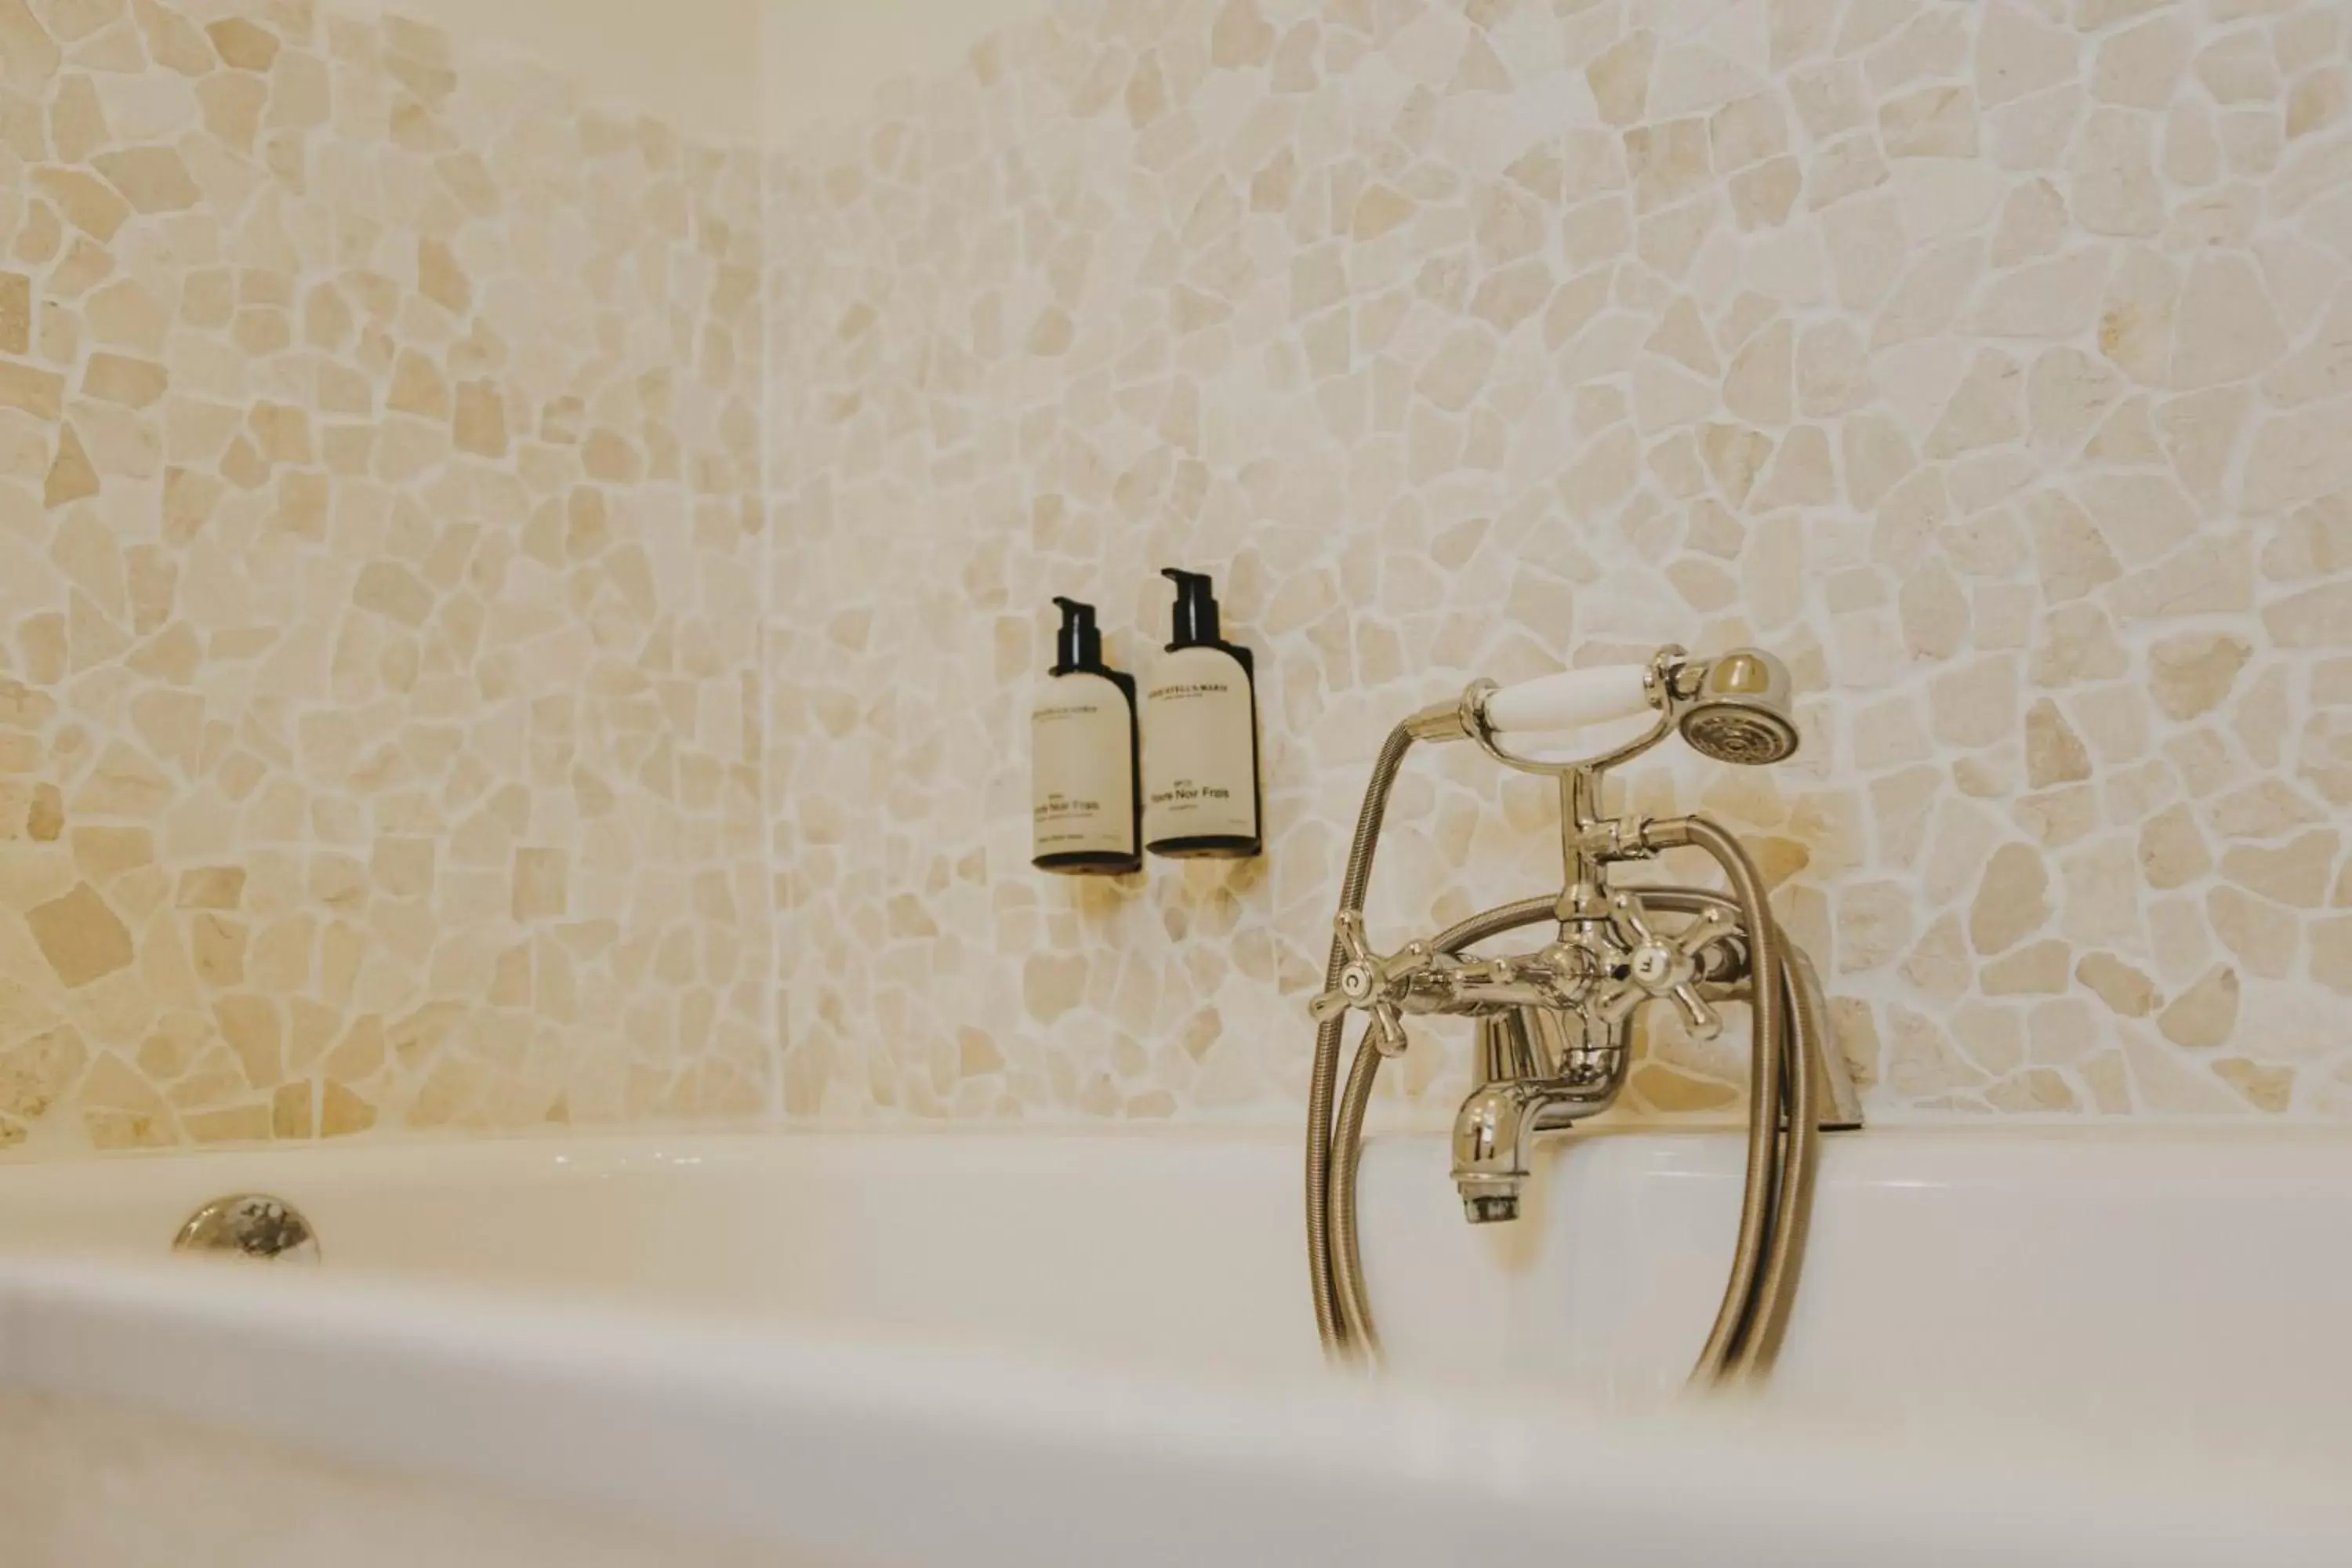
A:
(1087, 796)
(1078, 645)
(1194, 622)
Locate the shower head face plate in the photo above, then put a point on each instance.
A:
(1744, 712)
(1746, 737)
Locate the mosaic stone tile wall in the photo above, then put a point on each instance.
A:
(379, 532)
(1993, 362)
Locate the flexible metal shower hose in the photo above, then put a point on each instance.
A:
(1782, 1126)
(1325, 1075)
(1778, 1193)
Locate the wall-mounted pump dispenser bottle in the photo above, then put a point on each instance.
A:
(1199, 736)
(1086, 805)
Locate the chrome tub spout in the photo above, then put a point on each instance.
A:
(1490, 1162)
(1533, 1079)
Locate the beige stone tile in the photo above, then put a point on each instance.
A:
(2193, 673)
(2019, 52)
(2141, 65)
(243, 43)
(2012, 901)
(1620, 77)
(81, 936)
(151, 179)
(16, 313)
(2237, 68)
(89, 203)
(2123, 988)
(2206, 1014)
(117, 378)
(2268, 1089)
(32, 390)
(1932, 123)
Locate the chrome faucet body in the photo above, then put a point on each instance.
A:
(1555, 1024)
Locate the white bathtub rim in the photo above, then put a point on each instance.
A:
(874, 1451)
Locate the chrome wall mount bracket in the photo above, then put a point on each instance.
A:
(250, 1224)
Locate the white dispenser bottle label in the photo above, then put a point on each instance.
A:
(1083, 792)
(1200, 774)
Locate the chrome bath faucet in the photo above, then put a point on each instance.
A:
(1555, 1024)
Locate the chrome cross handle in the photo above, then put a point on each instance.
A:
(1662, 966)
(1370, 983)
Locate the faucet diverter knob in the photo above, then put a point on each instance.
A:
(1367, 982)
(1360, 972)
(1663, 966)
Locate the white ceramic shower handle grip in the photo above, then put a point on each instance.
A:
(1570, 700)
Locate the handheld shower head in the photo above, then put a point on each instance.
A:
(1743, 711)
(1740, 708)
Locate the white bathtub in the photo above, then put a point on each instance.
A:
(970, 1348)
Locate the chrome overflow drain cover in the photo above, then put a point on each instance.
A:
(250, 1224)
